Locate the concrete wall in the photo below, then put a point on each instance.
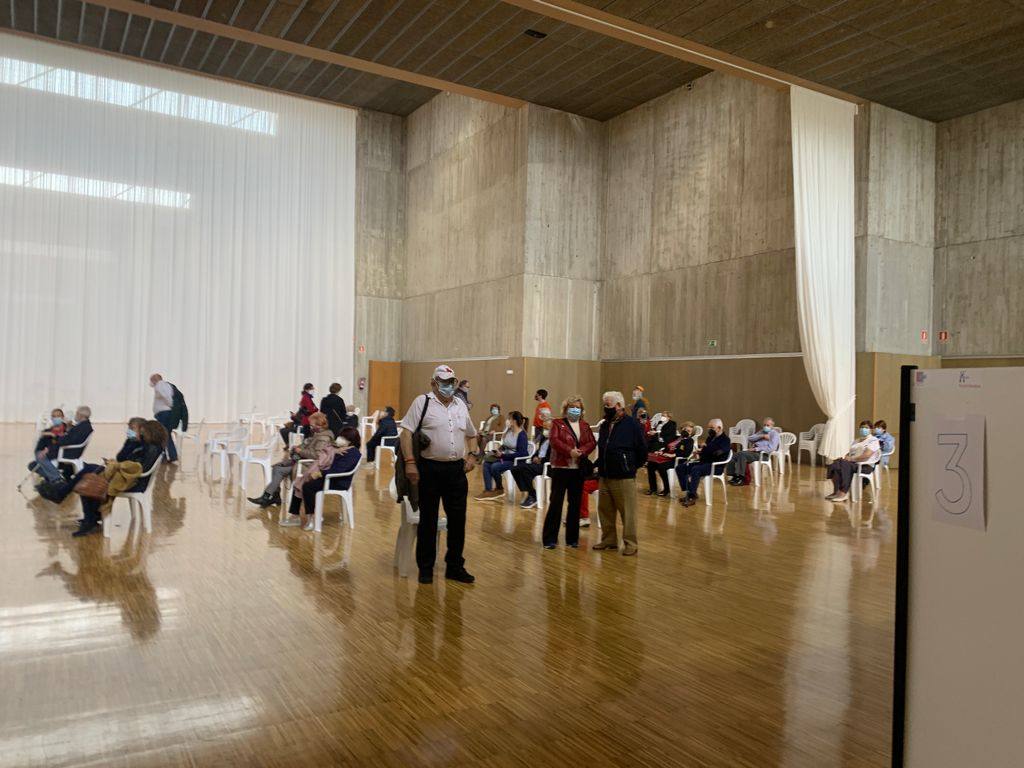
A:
(698, 223)
(895, 230)
(380, 241)
(979, 258)
(466, 173)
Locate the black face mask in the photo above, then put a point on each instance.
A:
(610, 413)
(711, 433)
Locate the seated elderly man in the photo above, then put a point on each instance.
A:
(766, 441)
(716, 448)
(45, 463)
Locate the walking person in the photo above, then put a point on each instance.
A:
(437, 442)
(622, 450)
(163, 404)
(572, 441)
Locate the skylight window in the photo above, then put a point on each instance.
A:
(81, 85)
(78, 185)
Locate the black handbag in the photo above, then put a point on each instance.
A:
(54, 490)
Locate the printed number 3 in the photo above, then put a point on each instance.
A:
(959, 502)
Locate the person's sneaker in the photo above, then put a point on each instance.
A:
(462, 575)
(628, 550)
(585, 522)
(85, 530)
(831, 496)
(735, 481)
(549, 546)
(663, 493)
(529, 502)
(292, 521)
(602, 545)
(308, 526)
(574, 545)
(426, 577)
(647, 492)
(488, 495)
(839, 497)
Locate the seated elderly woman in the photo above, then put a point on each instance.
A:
(492, 424)
(340, 457)
(661, 453)
(319, 437)
(137, 456)
(716, 448)
(386, 427)
(514, 445)
(45, 463)
(865, 450)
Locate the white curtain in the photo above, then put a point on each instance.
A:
(154, 221)
(822, 130)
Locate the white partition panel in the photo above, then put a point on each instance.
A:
(154, 221)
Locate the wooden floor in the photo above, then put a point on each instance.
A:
(756, 633)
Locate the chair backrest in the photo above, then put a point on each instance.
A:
(531, 448)
(80, 447)
(745, 427)
(151, 470)
(786, 441)
(697, 431)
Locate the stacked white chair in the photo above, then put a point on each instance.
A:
(261, 454)
(348, 505)
(226, 444)
(721, 477)
(808, 441)
(181, 436)
(139, 503)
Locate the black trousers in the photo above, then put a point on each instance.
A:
(441, 481)
(310, 488)
(662, 472)
(524, 473)
(564, 482)
(291, 427)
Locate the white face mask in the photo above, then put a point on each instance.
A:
(547, 432)
(341, 442)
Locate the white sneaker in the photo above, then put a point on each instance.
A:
(585, 523)
(292, 521)
(308, 526)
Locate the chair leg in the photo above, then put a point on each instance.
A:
(348, 508)
(318, 513)
(707, 489)
(146, 508)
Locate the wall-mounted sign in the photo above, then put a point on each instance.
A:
(924, 336)
(712, 342)
(362, 349)
(943, 336)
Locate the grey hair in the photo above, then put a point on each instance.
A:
(615, 397)
(83, 411)
(769, 418)
(716, 423)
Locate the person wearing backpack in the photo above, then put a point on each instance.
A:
(436, 447)
(164, 410)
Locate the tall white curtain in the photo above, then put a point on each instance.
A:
(154, 221)
(823, 197)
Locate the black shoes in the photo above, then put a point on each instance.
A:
(266, 500)
(426, 577)
(85, 530)
(737, 480)
(462, 575)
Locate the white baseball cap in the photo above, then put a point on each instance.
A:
(444, 372)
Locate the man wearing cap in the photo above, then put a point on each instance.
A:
(440, 472)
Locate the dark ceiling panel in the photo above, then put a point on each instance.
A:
(933, 58)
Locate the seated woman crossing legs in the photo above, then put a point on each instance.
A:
(340, 456)
(320, 437)
(514, 445)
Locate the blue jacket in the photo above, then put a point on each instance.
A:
(386, 427)
(522, 448)
(343, 462)
(622, 450)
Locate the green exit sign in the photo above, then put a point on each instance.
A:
(712, 342)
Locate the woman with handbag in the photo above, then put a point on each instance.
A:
(572, 441)
(95, 487)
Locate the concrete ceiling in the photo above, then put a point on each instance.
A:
(936, 59)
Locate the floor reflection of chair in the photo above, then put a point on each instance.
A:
(322, 554)
(405, 543)
(710, 525)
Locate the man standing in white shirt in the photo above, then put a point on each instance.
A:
(163, 402)
(445, 456)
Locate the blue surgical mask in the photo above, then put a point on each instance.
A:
(879, 430)
(131, 434)
(864, 431)
(574, 413)
(448, 390)
(56, 421)
(495, 411)
(766, 429)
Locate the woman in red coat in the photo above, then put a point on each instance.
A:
(300, 419)
(571, 442)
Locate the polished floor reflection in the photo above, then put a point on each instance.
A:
(753, 633)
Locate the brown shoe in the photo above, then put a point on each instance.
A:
(489, 495)
(602, 545)
(628, 550)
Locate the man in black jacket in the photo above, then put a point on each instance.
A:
(386, 427)
(622, 450)
(333, 407)
(716, 448)
(77, 435)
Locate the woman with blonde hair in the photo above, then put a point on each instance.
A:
(572, 441)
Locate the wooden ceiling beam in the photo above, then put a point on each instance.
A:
(230, 32)
(610, 25)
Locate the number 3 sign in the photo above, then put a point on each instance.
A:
(958, 471)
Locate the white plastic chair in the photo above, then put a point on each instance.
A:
(697, 432)
(882, 464)
(763, 461)
(542, 486)
(721, 476)
(182, 436)
(300, 464)
(592, 502)
(139, 502)
(857, 482)
(782, 456)
(740, 434)
(388, 445)
(368, 425)
(348, 506)
(506, 476)
(808, 441)
(226, 444)
(261, 454)
(76, 463)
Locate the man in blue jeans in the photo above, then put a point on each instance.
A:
(163, 402)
